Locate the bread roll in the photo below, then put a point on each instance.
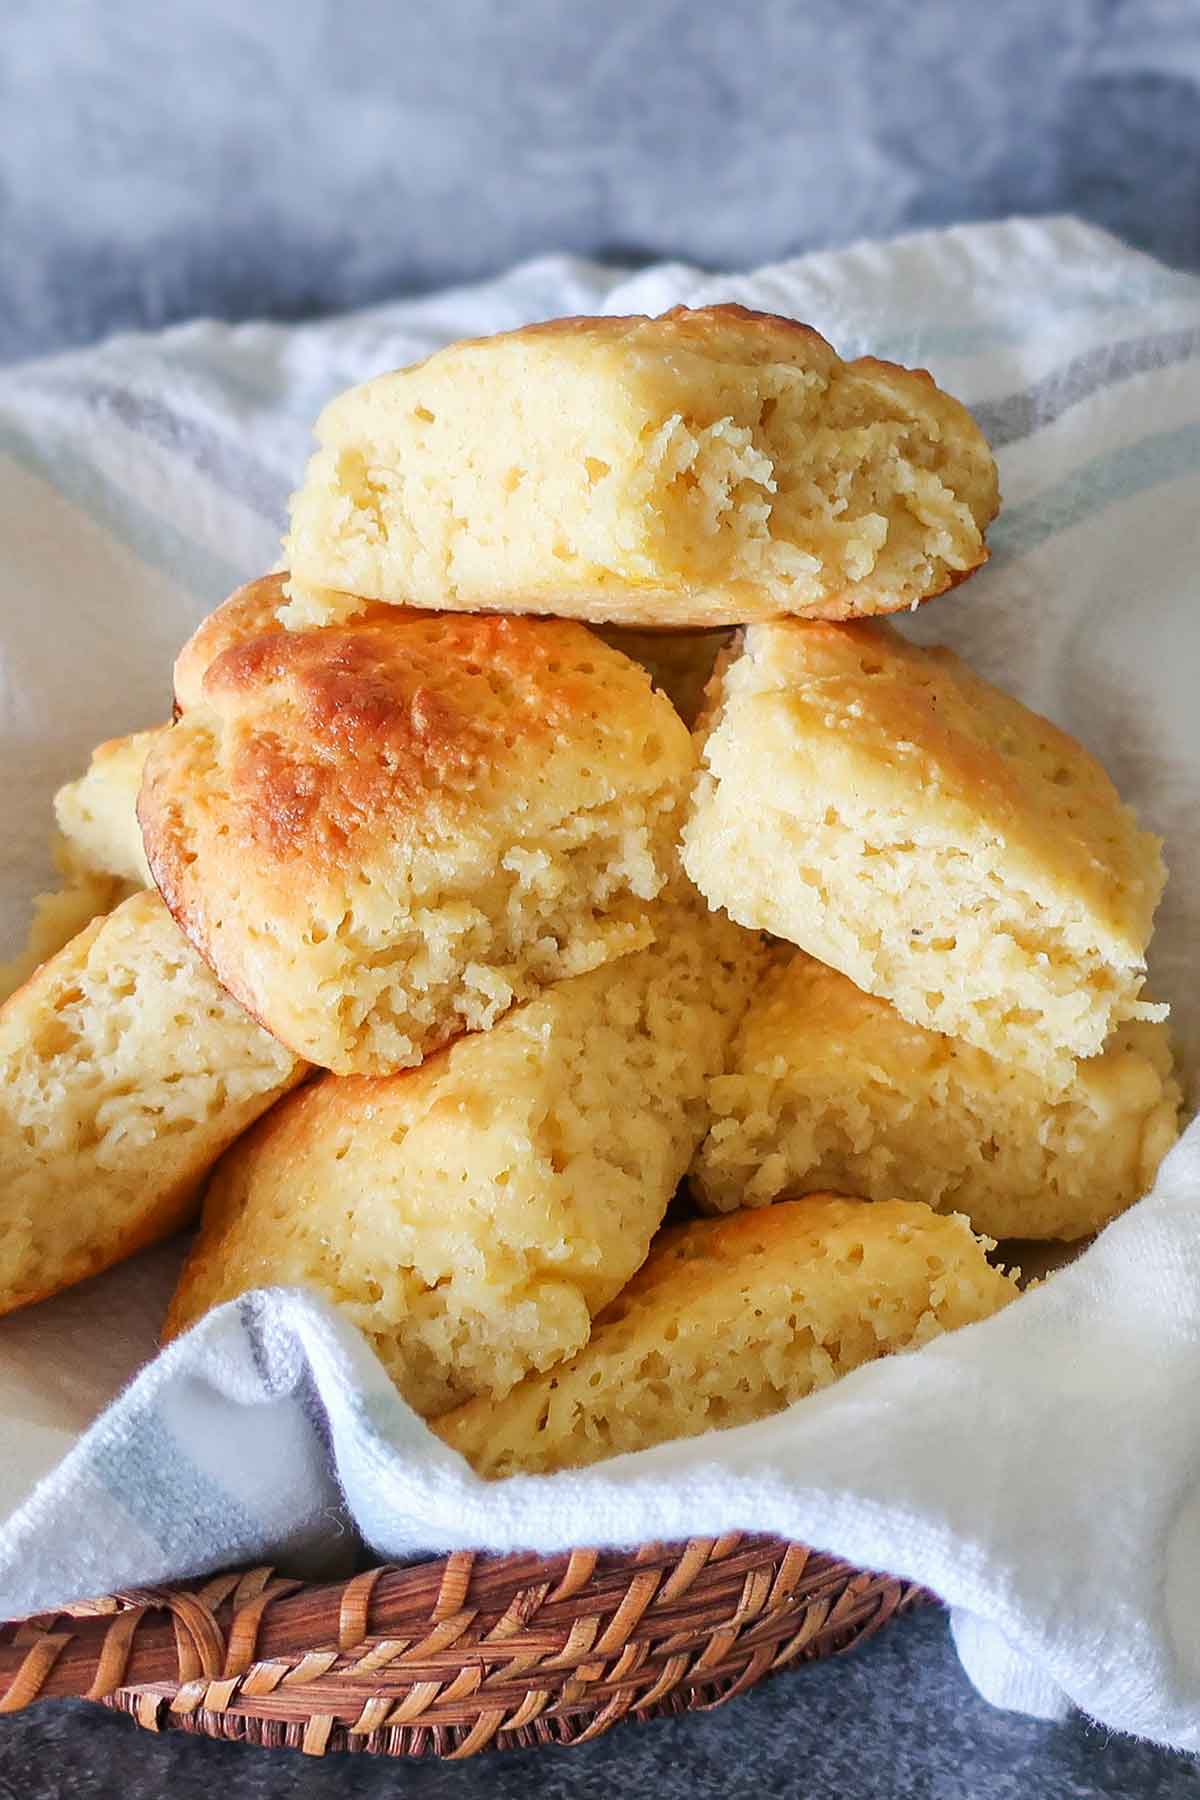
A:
(907, 823)
(703, 468)
(828, 1087)
(730, 1320)
(125, 1073)
(473, 1214)
(383, 834)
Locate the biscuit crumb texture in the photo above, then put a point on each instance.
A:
(471, 1215)
(829, 1088)
(731, 1320)
(702, 468)
(385, 834)
(124, 1072)
(890, 812)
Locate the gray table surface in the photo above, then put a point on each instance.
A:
(284, 158)
(894, 1721)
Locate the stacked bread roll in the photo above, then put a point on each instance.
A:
(565, 838)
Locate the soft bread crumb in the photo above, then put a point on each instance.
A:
(471, 1215)
(126, 1072)
(703, 468)
(384, 834)
(730, 1320)
(829, 1088)
(884, 808)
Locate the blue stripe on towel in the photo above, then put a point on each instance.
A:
(1117, 475)
(147, 534)
(149, 1473)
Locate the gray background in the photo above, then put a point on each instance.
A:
(163, 158)
(251, 157)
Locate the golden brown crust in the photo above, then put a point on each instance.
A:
(345, 731)
(701, 327)
(251, 611)
(885, 808)
(337, 796)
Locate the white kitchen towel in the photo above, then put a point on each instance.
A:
(1040, 1471)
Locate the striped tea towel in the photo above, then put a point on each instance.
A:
(1040, 1471)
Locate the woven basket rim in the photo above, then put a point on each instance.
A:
(457, 1653)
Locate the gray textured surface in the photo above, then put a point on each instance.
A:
(273, 158)
(895, 1721)
(280, 158)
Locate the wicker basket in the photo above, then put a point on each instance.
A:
(449, 1657)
